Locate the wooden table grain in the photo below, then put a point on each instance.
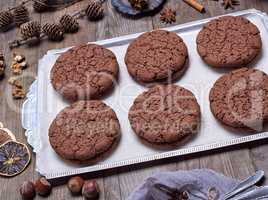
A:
(117, 184)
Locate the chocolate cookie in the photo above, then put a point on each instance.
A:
(84, 72)
(84, 130)
(240, 99)
(165, 114)
(229, 42)
(155, 56)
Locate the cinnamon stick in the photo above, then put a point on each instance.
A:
(196, 5)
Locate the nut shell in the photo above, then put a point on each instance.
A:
(42, 187)
(91, 190)
(27, 190)
(75, 185)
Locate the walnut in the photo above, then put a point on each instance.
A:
(18, 91)
(18, 64)
(18, 58)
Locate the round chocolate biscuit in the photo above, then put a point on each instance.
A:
(156, 55)
(165, 114)
(240, 99)
(229, 42)
(84, 72)
(84, 130)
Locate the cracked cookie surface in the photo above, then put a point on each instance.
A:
(84, 130)
(240, 99)
(156, 55)
(84, 72)
(229, 42)
(165, 114)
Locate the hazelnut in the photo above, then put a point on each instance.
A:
(27, 190)
(42, 187)
(91, 190)
(75, 185)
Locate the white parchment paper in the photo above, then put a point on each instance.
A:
(199, 78)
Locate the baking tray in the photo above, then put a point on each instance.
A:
(43, 104)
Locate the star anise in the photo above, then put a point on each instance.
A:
(168, 16)
(230, 3)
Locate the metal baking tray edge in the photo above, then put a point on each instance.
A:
(29, 115)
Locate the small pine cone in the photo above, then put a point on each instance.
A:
(30, 29)
(94, 11)
(53, 31)
(21, 15)
(40, 5)
(69, 24)
(6, 19)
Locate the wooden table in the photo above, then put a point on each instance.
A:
(118, 184)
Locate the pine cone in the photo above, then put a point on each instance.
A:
(21, 15)
(69, 24)
(40, 5)
(6, 18)
(30, 29)
(94, 11)
(53, 31)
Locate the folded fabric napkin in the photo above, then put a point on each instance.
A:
(182, 185)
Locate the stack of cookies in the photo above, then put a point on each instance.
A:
(165, 113)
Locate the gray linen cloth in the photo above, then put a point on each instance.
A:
(199, 184)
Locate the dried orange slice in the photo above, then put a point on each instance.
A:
(14, 158)
(5, 135)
